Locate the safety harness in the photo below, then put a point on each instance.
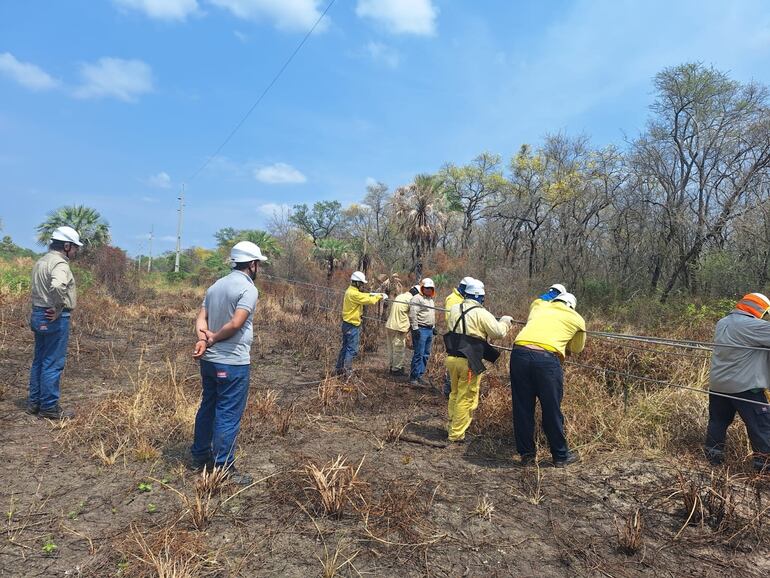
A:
(474, 349)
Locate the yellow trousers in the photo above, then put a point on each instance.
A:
(396, 348)
(463, 398)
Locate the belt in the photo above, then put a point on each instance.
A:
(425, 326)
(535, 349)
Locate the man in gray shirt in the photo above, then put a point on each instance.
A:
(224, 327)
(741, 371)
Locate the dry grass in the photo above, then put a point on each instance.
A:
(484, 508)
(630, 533)
(333, 486)
(138, 423)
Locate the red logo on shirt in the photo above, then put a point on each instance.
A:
(222, 374)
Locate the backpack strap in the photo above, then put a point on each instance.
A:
(463, 313)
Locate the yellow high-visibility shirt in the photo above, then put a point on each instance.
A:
(398, 318)
(554, 326)
(478, 323)
(353, 304)
(454, 298)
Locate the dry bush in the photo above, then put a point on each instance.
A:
(138, 423)
(333, 562)
(401, 515)
(493, 416)
(333, 486)
(165, 553)
(340, 393)
(630, 533)
(283, 419)
(484, 508)
(205, 501)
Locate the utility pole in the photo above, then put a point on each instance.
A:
(149, 264)
(179, 231)
(139, 263)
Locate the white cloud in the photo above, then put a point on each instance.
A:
(160, 181)
(161, 9)
(115, 77)
(401, 16)
(382, 53)
(279, 174)
(285, 14)
(272, 209)
(25, 73)
(150, 199)
(244, 38)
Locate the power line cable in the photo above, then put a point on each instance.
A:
(283, 68)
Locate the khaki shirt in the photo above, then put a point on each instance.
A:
(478, 323)
(398, 318)
(421, 315)
(53, 285)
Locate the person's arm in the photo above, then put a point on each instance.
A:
(230, 328)
(578, 341)
(414, 305)
(60, 280)
(201, 331)
(493, 328)
(361, 298)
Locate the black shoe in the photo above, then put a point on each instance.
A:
(199, 465)
(526, 461)
(32, 408)
(238, 478)
(396, 372)
(56, 412)
(572, 458)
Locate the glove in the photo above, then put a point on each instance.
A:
(435, 331)
(384, 296)
(507, 319)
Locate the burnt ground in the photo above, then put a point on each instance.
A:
(415, 509)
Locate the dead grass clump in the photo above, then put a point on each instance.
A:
(166, 553)
(484, 508)
(333, 486)
(138, 423)
(340, 393)
(630, 533)
(283, 419)
(493, 416)
(401, 515)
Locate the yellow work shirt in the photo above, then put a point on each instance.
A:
(398, 318)
(53, 285)
(478, 323)
(353, 304)
(454, 298)
(554, 326)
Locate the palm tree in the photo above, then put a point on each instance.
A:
(332, 251)
(228, 237)
(94, 231)
(419, 209)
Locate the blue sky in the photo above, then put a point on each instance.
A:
(115, 103)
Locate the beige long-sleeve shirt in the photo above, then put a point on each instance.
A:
(53, 285)
(478, 322)
(425, 316)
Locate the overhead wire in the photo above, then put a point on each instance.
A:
(681, 343)
(568, 361)
(259, 99)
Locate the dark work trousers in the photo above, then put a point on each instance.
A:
(722, 412)
(537, 375)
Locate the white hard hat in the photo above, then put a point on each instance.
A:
(66, 234)
(567, 298)
(466, 280)
(246, 251)
(358, 276)
(559, 287)
(428, 282)
(475, 288)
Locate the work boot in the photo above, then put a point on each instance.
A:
(526, 461)
(238, 478)
(56, 412)
(571, 458)
(32, 408)
(199, 465)
(397, 371)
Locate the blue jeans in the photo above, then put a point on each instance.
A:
(351, 337)
(422, 338)
(225, 389)
(50, 354)
(537, 375)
